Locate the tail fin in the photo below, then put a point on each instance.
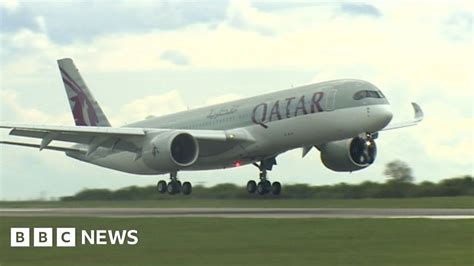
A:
(85, 109)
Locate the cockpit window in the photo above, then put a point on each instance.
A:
(367, 94)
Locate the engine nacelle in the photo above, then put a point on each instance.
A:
(348, 155)
(171, 151)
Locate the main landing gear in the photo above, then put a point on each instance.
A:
(174, 186)
(264, 186)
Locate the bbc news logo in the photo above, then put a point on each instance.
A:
(66, 237)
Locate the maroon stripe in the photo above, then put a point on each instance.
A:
(77, 109)
(71, 86)
(70, 79)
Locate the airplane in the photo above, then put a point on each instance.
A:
(341, 118)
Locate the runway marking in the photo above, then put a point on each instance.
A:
(440, 217)
(241, 212)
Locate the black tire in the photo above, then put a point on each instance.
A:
(187, 188)
(267, 186)
(172, 188)
(179, 186)
(261, 188)
(251, 186)
(161, 186)
(276, 188)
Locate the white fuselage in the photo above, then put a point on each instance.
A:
(278, 122)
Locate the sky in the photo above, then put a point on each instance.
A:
(143, 58)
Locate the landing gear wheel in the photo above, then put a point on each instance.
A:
(251, 186)
(260, 188)
(276, 188)
(161, 186)
(179, 186)
(172, 188)
(267, 185)
(264, 186)
(187, 188)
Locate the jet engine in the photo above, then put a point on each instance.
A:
(348, 155)
(171, 151)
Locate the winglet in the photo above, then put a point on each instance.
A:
(419, 115)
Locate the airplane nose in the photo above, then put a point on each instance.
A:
(380, 116)
(385, 115)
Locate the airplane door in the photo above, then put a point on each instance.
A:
(331, 100)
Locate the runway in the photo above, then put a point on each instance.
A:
(240, 212)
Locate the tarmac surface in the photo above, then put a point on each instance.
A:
(240, 212)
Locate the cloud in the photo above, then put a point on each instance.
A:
(175, 57)
(343, 52)
(458, 26)
(153, 105)
(223, 98)
(242, 15)
(40, 21)
(16, 19)
(297, 42)
(12, 110)
(67, 20)
(360, 9)
(9, 5)
(269, 6)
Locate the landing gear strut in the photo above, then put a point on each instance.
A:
(174, 186)
(264, 186)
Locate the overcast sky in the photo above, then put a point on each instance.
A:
(148, 57)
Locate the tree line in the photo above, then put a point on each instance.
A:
(399, 184)
(459, 186)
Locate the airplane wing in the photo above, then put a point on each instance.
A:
(54, 148)
(417, 119)
(123, 138)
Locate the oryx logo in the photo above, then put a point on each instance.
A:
(155, 151)
(80, 101)
(66, 237)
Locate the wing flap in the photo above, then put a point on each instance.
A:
(54, 148)
(127, 131)
(61, 136)
(125, 139)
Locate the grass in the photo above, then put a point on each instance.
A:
(220, 241)
(180, 201)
